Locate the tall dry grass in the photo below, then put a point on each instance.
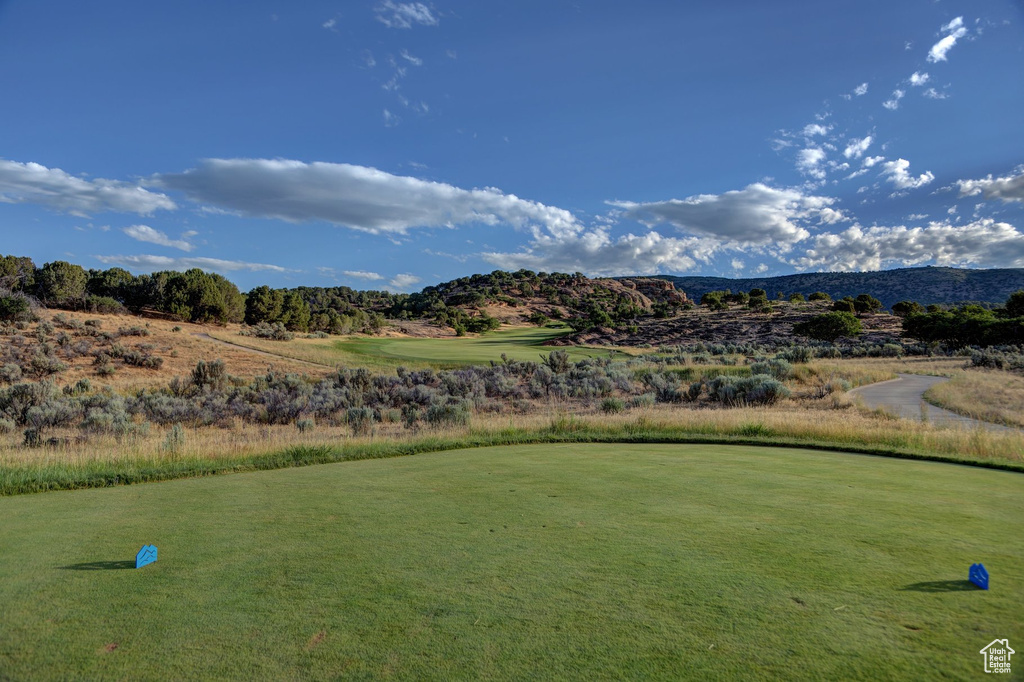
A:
(990, 395)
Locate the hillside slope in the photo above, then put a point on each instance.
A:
(924, 285)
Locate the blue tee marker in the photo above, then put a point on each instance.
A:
(978, 575)
(146, 555)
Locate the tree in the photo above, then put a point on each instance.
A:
(295, 312)
(1015, 304)
(819, 296)
(796, 298)
(62, 284)
(829, 326)
(758, 293)
(844, 305)
(115, 283)
(866, 303)
(904, 308)
(263, 304)
(17, 273)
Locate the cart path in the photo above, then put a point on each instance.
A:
(207, 337)
(905, 397)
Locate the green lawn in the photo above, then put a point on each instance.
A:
(521, 343)
(530, 562)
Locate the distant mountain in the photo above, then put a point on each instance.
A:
(924, 285)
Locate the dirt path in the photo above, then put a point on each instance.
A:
(207, 337)
(905, 397)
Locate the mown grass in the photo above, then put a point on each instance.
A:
(990, 395)
(533, 562)
(517, 343)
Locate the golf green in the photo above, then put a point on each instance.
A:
(529, 562)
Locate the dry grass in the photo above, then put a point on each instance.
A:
(989, 395)
(832, 421)
(180, 351)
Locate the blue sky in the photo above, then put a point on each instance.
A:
(393, 145)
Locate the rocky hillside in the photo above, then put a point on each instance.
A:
(924, 285)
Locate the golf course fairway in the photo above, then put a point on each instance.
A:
(528, 562)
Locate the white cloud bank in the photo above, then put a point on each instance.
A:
(984, 243)
(1010, 188)
(151, 263)
(757, 215)
(32, 183)
(145, 233)
(955, 31)
(358, 197)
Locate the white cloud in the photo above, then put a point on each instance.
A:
(896, 173)
(1010, 188)
(955, 30)
(150, 263)
(761, 269)
(595, 252)
(856, 148)
(983, 243)
(362, 274)
(736, 264)
(918, 79)
(330, 24)
(870, 161)
(808, 161)
(758, 215)
(358, 197)
(812, 129)
(391, 120)
(893, 103)
(404, 14)
(402, 282)
(415, 61)
(145, 233)
(861, 89)
(932, 93)
(32, 183)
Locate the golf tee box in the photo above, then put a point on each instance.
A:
(146, 555)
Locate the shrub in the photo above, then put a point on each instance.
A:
(10, 373)
(14, 307)
(611, 405)
(829, 326)
(175, 439)
(104, 305)
(777, 368)
(266, 330)
(819, 296)
(360, 420)
(456, 414)
(904, 308)
(797, 354)
(304, 425)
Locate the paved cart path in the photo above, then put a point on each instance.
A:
(905, 396)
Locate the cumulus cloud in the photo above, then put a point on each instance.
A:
(758, 215)
(918, 79)
(955, 30)
(362, 274)
(145, 233)
(861, 89)
(984, 243)
(1010, 188)
(856, 148)
(151, 263)
(358, 197)
(404, 14)
(893, 103)
(896, 173)
(812, 129)
(808, 161)
(402, 282)
(596, 252)
(32, 183)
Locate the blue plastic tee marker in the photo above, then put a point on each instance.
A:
(146, 555)
(978, 575)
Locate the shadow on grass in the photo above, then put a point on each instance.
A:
(941, 586)
(100, 566)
